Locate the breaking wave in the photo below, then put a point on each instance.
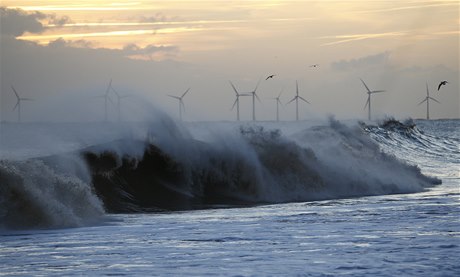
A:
(171, 170)
(32, 195)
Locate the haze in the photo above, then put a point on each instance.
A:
(63, 54)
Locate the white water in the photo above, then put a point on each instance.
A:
(408, 234)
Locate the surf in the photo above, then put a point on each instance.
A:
(171, 166)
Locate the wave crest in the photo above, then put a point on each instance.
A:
(32, 195)
(254, 165)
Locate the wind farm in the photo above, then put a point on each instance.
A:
(111, 91)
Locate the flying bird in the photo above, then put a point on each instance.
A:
(271, 76)
(314, 65)
(441, 84)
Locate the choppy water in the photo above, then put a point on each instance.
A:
(416, 234)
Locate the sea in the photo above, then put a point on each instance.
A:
(165, 198)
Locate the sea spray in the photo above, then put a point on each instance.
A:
(247, 166)
(164, 167)
(32, 195)
(353, 164)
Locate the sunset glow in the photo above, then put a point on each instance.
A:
(258, 36)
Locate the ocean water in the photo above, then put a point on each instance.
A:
(308, 198)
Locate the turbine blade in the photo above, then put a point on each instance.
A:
(367, 103)
(116, 92)
(182, 105)
(236, 92)
(434, 100)
(297, 87)
(185, 93)
(15, 92)
(301, 98)
(427, 91)
(291, 100)
(234, 104)
(422, 101)
(110, 99)
(257, 86)
(178, 98)
(368, 90)
(279, 101)
(257, 97)
(377, 91)
(108, 87)
(281, 92)
(15, 106)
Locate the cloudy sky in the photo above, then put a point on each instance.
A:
(63, 54)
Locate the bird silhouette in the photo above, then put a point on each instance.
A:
(271, 76)
(441, 84)
(314, 65)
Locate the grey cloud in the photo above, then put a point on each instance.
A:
(380, 59)
(74, 43)
(158, 17)
(127, 51)
(15, 22)
(133, 49)
(58, 21)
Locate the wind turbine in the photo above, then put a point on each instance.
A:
(237, 101)
(18, 103)
(427, 99)
(277, 99)
(181, 103)
(119, 98)
(254, 96)
(296, 98)
(106, 99)
(368, 102)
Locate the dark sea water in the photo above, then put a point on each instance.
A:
(307, 198)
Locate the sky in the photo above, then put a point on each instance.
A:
(63, 54)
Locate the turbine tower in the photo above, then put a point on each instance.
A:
(296, 98)
(368, 102)
(427, 99)
(181, 103)
(277, 99)
(237, 101)
(18, 103)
